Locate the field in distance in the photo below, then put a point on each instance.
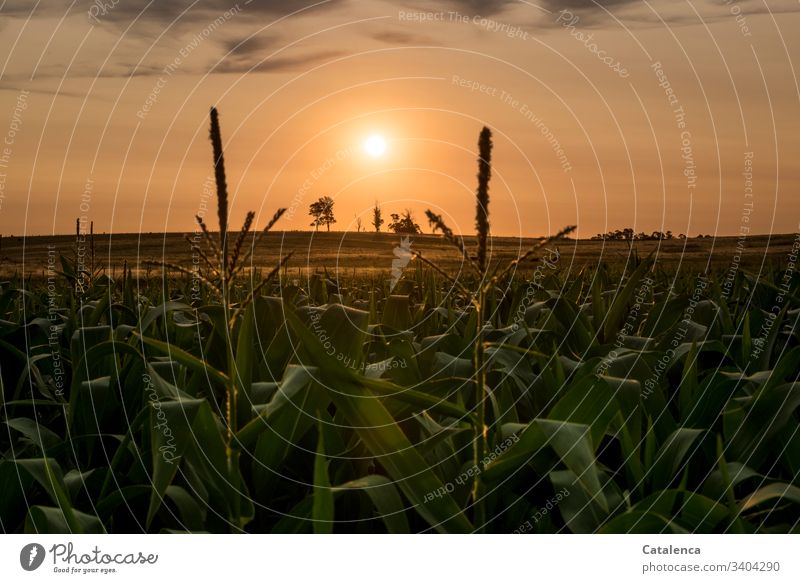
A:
(348, 253)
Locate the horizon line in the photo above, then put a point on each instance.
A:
(332, 231)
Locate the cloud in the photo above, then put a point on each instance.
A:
(558, 5)
(747, 6)
(240, 54)
(397, 37)
(253, 44)
(633, 12)
(263, 54)
(591, 12)
(277, 64)
(483, 7)
(473, 7)
(13, 87)
(162, 11)
(231, 21)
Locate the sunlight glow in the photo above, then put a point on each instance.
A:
(375, 146)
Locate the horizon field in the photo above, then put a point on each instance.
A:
(364, 252)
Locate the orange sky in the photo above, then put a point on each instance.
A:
(576, 141)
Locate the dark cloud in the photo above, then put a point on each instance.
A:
(252, 47)
(190, 17)
(252, 44)
(483, 7)
(747, 6)
(277, 64)
(162, 12)
(633, 12)
(557, 5)
(493, 7)
(397, 37)
(475, 7)
(536, 8)
(590, 12)
(255, 54)
(16, 88)
(159, 9)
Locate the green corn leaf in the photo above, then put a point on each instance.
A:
(383, 437)
(323, 509)
(670, 459)
(170, 434)
(619, 307)
(771, 492)
(51, 520)
(385, 497)
(49, 475)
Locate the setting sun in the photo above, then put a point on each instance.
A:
(375, 146)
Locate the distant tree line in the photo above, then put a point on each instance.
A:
(630, 235)
(321, 211)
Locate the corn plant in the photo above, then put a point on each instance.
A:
(224, 263)
(487, 279)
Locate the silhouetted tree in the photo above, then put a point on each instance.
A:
(322, 211)
(377, 221)
(404, 224)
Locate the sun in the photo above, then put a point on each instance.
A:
(375, 146)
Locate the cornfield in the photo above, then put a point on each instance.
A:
(608, 399)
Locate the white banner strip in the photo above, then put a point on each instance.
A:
(401, 559)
